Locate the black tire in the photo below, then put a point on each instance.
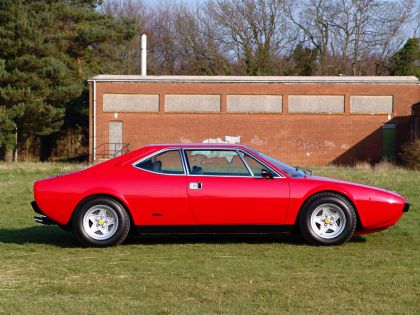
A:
(107, 234)
(343, 219)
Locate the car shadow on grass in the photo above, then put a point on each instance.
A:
(215, 239)
(47, 235)
(52, 235)
(292, 239)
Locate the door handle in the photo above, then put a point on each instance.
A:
(196, 185)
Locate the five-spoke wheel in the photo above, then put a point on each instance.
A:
(327, 219)
(101, 221)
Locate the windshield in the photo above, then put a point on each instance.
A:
(289, 170)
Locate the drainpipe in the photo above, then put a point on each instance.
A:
(94, 120)
(143, 61)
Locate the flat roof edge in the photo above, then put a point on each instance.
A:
(259, 79)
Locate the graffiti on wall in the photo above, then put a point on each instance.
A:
(228, 140)
(311, 147)
(256, 141)
(308, 147)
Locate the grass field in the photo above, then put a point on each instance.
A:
(44, 271)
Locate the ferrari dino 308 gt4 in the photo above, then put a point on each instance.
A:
(209, 188)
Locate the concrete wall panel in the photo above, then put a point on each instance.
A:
(131, 103)
(371, 104)
(254, 103)
(316, 103)
(179, 103)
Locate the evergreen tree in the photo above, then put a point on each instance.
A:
(303, 61)
(47, 51)
(407, 60)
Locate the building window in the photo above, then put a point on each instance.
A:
(371, 104)
(120, 103)
(179, 103)
(316, 104)
(254, 104)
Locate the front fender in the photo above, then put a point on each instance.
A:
(301, 191)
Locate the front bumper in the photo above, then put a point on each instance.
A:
(41, 218)
(406, 206)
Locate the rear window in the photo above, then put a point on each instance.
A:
(168, 162)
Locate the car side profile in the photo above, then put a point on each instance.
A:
(209, 188)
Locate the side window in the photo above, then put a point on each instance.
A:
(255, 166)
(215, 162)
(168, 162)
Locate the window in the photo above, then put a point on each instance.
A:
(256, 167)
(215, 162)
(168, 162)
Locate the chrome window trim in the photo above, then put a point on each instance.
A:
(279, 175)
(213, 149)
(246, 164)
(157, 153)
(184, 162)
(276, 173)
(228, 176)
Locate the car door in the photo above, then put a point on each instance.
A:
(158, 190)
(222, 190)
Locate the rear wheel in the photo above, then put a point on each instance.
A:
(327, 219)
(101, 222)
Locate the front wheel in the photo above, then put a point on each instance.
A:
(327, 219)
(101, 222)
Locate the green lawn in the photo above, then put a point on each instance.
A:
(44, 271)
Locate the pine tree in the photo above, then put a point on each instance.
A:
(47, 51)
(303, 61)
(407, 60)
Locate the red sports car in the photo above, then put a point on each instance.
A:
(209, 188)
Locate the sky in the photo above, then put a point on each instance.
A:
(189, 2)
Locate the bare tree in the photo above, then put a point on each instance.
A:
(258, 37)
(351, 34)
(199, 52)
(178, 40)
(133, 10)
(377, 32)
(253, 32)
(314, 18)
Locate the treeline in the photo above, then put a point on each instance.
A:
(48, 49)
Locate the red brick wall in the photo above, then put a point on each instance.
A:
(305, 139)
(415, 122)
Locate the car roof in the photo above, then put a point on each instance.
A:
(197, 145)
(132, 156)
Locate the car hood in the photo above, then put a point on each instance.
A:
(333, 180)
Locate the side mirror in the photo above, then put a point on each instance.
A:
(266, 174)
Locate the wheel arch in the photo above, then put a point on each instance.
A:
(359, 225)
(99, 195)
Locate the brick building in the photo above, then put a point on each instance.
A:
(415, 121)
(300, 120)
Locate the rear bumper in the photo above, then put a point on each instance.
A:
(41, 217)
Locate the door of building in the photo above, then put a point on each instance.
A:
(115, 138)
(388, 142)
